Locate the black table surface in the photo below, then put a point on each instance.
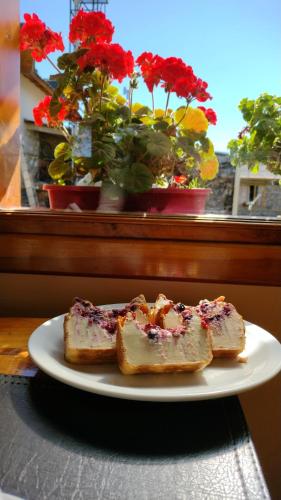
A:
(57, 442)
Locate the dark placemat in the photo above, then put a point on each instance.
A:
(57, 442)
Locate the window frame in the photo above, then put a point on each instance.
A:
(200, 249)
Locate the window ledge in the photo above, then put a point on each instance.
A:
(141, 246)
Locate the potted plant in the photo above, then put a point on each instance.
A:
(260, 140)
(136, 153)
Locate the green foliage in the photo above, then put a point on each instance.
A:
(157, 143)
(259, 142)
(135, 178)
(132, 146)
(58, 168)
(62, 150)
(55, 106)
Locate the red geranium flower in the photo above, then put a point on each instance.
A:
(150, 66)
(172, 69)
(42, 113)
(34, 36)
(90, 27)
(210, 114)
(200, 92)
(110, 59)
(186, 85)
(180, 179)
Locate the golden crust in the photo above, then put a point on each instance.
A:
(85, 356)
(130, 369)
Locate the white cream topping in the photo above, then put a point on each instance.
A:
(192, 346)
(89, 336)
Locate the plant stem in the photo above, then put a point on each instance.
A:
(184, 115)
(130, 102)
(167, 103)
(85, 105)
(152, 97)
(51, 62)
(65, 133)
(101, 91)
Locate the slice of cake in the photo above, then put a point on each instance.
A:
(89, 334)
(152, 349)
(90, 331)
(226, 326)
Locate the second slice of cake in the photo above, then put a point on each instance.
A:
(152, 349)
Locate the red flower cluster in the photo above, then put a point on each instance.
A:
(34, 36)
(110, 59)
(174, 74)
(210, 114)
(151, 69)
(42, 112)
(180, 179)
(89, 27)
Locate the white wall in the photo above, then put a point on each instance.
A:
(30, 95)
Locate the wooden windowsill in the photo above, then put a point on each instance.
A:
(138, 246)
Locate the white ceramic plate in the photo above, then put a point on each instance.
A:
(221, 378)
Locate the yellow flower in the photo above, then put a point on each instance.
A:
(209, 153)
(136, 106)
(209, 169)
(68, 90)
(112, 90)
(120, 99)
(147, 120)
(193, 119)
(158, 113)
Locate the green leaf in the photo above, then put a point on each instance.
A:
(55, 106)
(144, 110)
(158, 144)
(62, 150)
(95, 117)
(69, 58)
(137, 178)
(83, 163)
(58, 168)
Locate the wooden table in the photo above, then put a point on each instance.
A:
(99, 447)
(14, 335)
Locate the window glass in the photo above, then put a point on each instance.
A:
(233, 46)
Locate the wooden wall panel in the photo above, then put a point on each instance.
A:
(147, 259)
(133, 246)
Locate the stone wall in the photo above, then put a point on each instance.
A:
(220, 201)
(268, 205)
(37, 149)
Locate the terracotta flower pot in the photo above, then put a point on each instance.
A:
(168, 201)
(156, 200)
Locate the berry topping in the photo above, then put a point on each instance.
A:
(187, 315)
(153, 335)
(180, 307)
(227, 309)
